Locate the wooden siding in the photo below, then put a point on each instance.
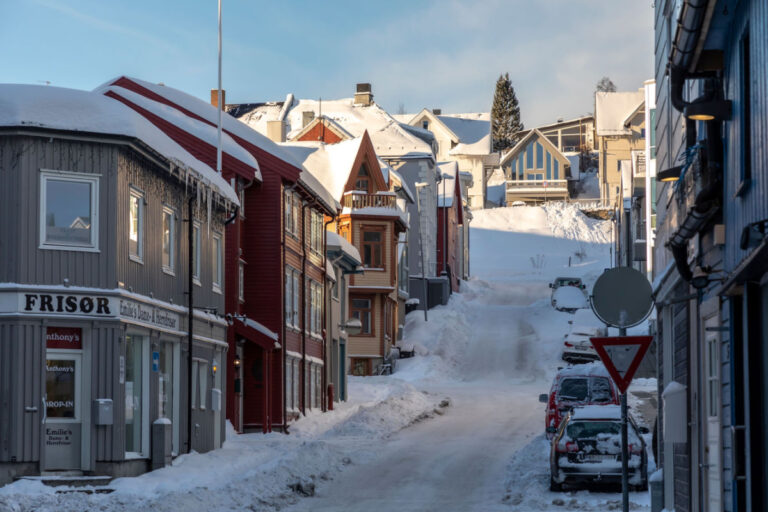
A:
(369, 345)
(21, 159)
(21, 385)
(752, 205)
(376, 277)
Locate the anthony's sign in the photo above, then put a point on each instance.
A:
(64, 337)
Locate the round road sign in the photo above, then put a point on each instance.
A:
(622, 297)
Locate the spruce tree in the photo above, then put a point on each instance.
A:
(505, 115)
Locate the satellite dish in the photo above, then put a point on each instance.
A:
(622, 297)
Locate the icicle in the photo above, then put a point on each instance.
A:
(210, 197)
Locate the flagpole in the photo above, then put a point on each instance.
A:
(218, 103)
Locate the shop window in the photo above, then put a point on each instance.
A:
(197, 253)
(361, 309)
(372, 249)
(136, 225)
(69, 211)
(169, 240)
(217, 260)
(136, 384)
(61, 387)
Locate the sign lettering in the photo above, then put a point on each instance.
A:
(64, 337)
(50, 303)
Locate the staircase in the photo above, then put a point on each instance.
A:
(73, 481)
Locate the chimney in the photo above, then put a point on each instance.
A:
(215, 98)
(307, 117)
(363, 95)
(437, 111)
(276, 130)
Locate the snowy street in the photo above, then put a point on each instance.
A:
(458, 427)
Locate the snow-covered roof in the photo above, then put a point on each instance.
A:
(612, 110)
(446, 190)
(253, 324)
(336, 241)
(597, 412)
(89, 112)
(388, 137)
(329, 164)
(473, 131)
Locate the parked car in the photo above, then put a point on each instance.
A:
(577, 347)
(568, 294)
(585, 384)
(587, 448)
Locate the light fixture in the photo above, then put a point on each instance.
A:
(702, 277)
(237, 361)
(752, 234)
(214, 366)
(671, 174)
(709, 110)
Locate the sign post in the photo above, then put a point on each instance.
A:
(622, 297)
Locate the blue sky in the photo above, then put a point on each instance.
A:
(416, 53)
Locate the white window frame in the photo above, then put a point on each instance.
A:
(296, 299)
(171, 267)
(295, 381)
(93, 180)
(288, 305)
(139, 257)
(197, 233)
(217, 263)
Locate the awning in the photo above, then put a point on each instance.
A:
(257, 333)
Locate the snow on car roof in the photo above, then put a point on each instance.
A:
(597, 412)
(596, 369)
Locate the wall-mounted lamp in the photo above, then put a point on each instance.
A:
(752, 234)
(214, 366)
(709, 110)
(237, 361)
(671, 174)
(702, 277)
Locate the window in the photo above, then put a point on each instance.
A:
(292, 213)
(292, 297)
(313, 308)
(288, 382)
(539, 156)
(361, 309)
(241, 281)
(197, 253)
(69, 211)
(216, 258)
(529, 156)
(360, 367)
(315, 240)
(372, 249)
(136, 225)
(169, 240)
(203, 368)
(296, 384)
(653, 138)
(136, 392)
(425, 124)
(746, 109)
(362, 182)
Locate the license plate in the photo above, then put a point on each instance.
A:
(598, 457)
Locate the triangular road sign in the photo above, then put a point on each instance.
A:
(621, 356)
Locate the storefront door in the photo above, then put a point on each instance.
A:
(62, 425)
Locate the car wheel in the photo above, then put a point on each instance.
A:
(554, 486)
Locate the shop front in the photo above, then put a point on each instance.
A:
(87, 372)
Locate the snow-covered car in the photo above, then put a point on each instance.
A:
(568, 294)
(577, 347)
(518, 203)
(574, 386)
(587, 448)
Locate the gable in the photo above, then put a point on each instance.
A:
(366, 156)
(322, 129)
(535, 157)
(434, 123)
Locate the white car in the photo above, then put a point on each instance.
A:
(577, 347)
(569, 299)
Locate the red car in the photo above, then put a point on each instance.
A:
(585, 384)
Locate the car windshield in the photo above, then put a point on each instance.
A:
(574, 389)
(601, 390)
(583, 389)
(591, 429)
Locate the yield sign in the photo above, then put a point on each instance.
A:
(621, 356)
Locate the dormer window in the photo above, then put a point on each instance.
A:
(363, 181)
(425, 124)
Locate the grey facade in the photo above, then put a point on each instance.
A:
(83, 325)
(711, 255)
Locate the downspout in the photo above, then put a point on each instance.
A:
(282, 321)
(190, 317)
(326, 328)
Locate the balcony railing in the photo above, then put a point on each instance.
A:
(357, 200)
(537, 185)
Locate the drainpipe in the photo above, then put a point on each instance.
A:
(190, 317)
(326, 328)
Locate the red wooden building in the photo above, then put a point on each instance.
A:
(450, 218)
(274, 270)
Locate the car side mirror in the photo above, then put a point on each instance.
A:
(551, 430)
(644, 430)
(550, 285)
(543, 398)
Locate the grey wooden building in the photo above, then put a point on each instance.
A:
(711, 254)
(94, 201)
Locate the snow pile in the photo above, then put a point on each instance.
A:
(567, 221)
(569, 298)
